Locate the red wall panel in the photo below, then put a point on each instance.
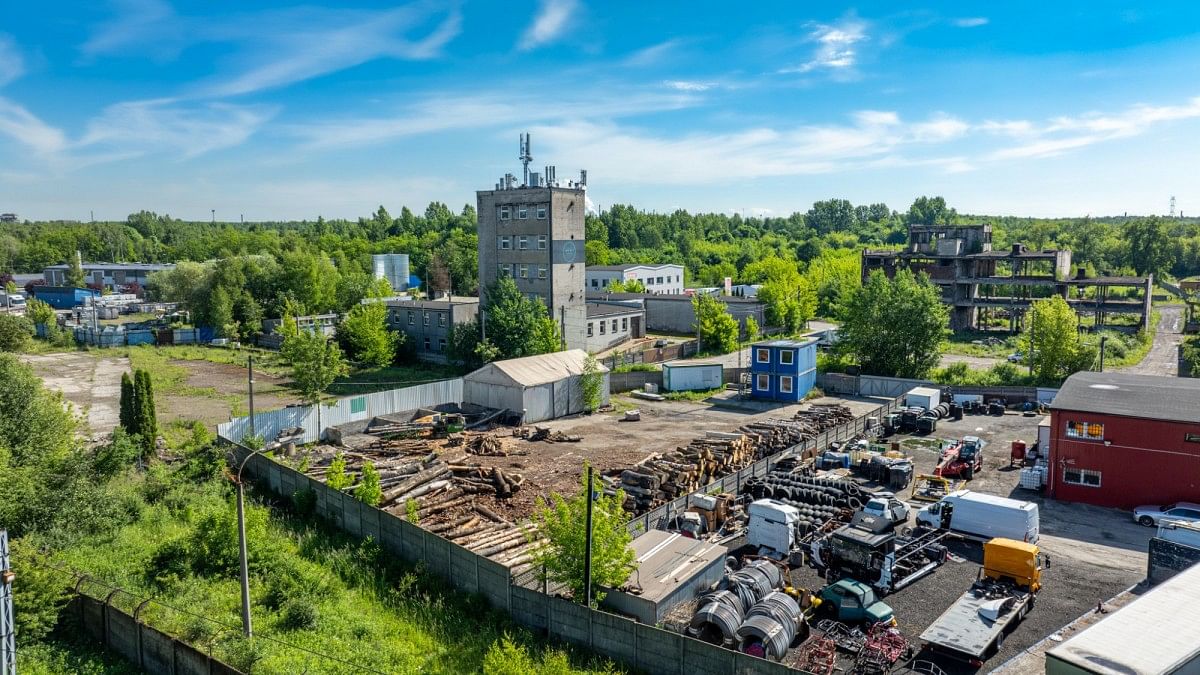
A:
(1141, 461)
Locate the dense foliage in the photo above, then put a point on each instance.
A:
(517, 325)
(895, 327)
(1052, 345)
(715, 327)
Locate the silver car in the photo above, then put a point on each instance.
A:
(1151, 515)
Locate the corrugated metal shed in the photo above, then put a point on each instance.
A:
(544, 386)
(671, 569)
(1153, 635)
(533, 370)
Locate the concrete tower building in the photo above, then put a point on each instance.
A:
(534, 233)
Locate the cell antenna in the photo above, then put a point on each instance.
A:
(1172, 206)
(526, 157)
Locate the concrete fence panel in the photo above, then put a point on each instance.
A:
(122, 633)
(530, 608)
(158, 651)
(495, 582)
(188, 661)
(701, 658)
(463, 568)
(91, 615)
(615, 636)
(658, 651)
(570, 622)
(888, 387)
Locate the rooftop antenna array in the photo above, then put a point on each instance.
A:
(526, 157)
(1172, 206)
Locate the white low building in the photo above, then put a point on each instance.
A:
(658, 279)
(544, 386)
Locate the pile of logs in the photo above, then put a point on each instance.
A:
(480, 479)
(773, 435)
(483, 532)
(489, 445)
(662, 477)
(544, 434)
(825, 416)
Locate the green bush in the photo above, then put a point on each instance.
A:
(305, 501)
(299, 614)
(336, 476)
(635, 368)
(119, 454)
(39, 591)
(15, 333)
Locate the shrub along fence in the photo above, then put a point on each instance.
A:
(639, 646)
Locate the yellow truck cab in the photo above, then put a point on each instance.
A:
(1015, 561)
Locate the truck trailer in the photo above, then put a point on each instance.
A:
(974, 627)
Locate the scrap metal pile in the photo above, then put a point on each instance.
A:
(749, 612)
(872, 652)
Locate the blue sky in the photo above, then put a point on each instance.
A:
(291, 111)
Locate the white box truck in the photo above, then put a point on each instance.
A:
(923, 397)
(983, 516)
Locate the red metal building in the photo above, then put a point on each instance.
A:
(1125, 440)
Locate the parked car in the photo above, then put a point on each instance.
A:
(855, 602)
(1151, 515)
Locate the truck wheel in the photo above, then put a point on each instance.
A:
(1146, 520)
(968, 473)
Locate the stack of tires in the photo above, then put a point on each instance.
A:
(818, 499)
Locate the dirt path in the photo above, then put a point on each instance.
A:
(1163, 357)
(92, 385)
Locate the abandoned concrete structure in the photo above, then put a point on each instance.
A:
(985, 287)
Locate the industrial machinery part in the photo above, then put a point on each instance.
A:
(927, 488)
(717, 619)
(848, 639)
(819, 656)
(771, 626)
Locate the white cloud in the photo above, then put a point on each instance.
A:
(12, 64)
(835, 50)
(274, 48)
(971, 22)
(653, 54)
(142, 127)
(27, 129)
(688, 85)
(1061, 134)
(444, 112)
(552, 20)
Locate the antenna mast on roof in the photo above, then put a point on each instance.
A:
(526, 157)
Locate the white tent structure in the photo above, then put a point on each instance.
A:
(544, 386)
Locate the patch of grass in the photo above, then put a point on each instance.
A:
(692, 395)
(636, 368)
(367, 380)
(66, 653)
(981, 344)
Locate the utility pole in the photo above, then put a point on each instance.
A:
(562, 321)
(587, 547)
(482, 325)
(1103, 339)
(1032, 336)
(250, 382)
(8, 640)
(247, 630)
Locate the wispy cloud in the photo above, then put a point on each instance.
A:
(836, 48)
(653, 54)
(275, 48)
(971, 22)
(160, 126)
(1060, 134)
(444, 112)
(552, 19)
(29, 130)
(688, 85)
(12, 64)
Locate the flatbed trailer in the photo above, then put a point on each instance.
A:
(974, 627)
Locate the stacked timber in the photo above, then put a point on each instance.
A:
(662, 477)
(825, 416)
(487, 479)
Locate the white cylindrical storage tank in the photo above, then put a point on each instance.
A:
(393, 267)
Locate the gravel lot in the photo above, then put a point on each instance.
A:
(1095, 553)
(1163, 357)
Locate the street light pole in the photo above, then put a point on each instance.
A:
(1103, 339)
(250, 382)
(587, 547)
(247, 630)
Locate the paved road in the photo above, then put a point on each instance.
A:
(1163, 357)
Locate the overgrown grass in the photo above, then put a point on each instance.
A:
(367, 380)
(982, 344)
(692, 395)
(311, 585)
(66, 653)
(636, 368)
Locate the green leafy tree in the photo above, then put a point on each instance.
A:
(15, 332)
(591, 384)
(930, 211)
(316, 363)
(39, 594)
(752, 329)
(147, 425)
(369, 490)
(895, 327)
(129, 407)
(220, 313)
(464, 344)
(834, 275)
(627, 286)
(1152, 249)
(336, 476)
(561, 522)
(366, 337)
(717, 329)
(1052, 343)
(832, 215)
(40, 313)
(75, 277)
(517, 325)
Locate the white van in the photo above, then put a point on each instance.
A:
(1180, 532)
(983, 516)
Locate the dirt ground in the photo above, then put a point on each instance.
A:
(91, 385)
(228, 383)
(1163, 357)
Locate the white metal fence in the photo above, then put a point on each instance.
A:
(344, 410)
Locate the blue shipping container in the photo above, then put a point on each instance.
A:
(783, 370)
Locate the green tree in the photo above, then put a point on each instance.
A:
(832, 215)
(626, 286)
(790, 303)
(40, 313)
(591, 384)
(75, 277)
(834, 275)
(129, 406)
(930, 211)
(561, 522)
(752, 329)
(1152, 250)
(366, 337)
(147, 424)
(1052, 343)
(220, 313)
(895, 327)
(718, 330)
(39, 594)
(369, 490)
(336, 476)
(517, 325)
(15, 332)
(316, 363)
